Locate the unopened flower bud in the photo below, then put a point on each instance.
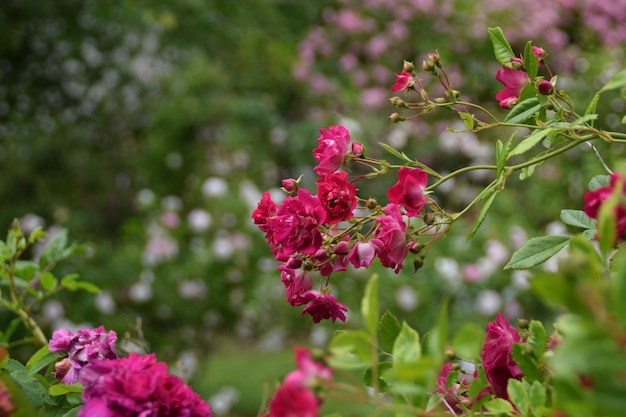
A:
(357, 148)
(545, 87)
(522, 323)
(429, 66)
(517, 64)
(424, 95)
(342, 248)
(320, 255)
(293, 263)
(408, 66)
(398, 102)
(289, 185)
(453, 94)
(418, 263)
(429, 218)
(450, 354)
(415, 247)
(434, 58)
(456, 366)
(540, 53)
(440, 100)
(371, 203)
(395, 118)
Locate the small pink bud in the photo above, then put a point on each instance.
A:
(293, 263)
(342, 248)
(395, 118)
(545, 87)
(434, 58)
(357, 148)
(290, 186)
(320, 255)
(517, 64)
(509, 103)
(540, 53)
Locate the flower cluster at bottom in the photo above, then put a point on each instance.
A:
(121, 387)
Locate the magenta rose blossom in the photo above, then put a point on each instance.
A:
(390, 240)
(402, 81)
(337, 195)
(595, 198)
(331, 149)
(137, 386)
(514, 80)
(496, 355)
(408, 192)
(323, 306)
(294, 228)
(362, 254)
(83, 347)
(297, 282)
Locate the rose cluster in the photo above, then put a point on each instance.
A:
(121, 387)
(320, 232)
(301, 392)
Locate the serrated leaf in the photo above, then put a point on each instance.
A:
(407, 351)
(523, 111)
(468, 119)
(518, 395)
(591, 107)
(537, 396)
(584, 119)
(577, 218)
(539, 338)
(531, 63)
(64, 389)
(536, 251)
(482, 215)
(499, 405)
(467, 341)
(350, 349)
(528, 91)
(395, 152)
(531, 140)
(34, 363)
(616, 81)
(32, 388)
(526, 364)
(369, 305)
(501, 48)
(388, 328)
(599, 181)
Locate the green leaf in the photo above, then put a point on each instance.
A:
(531, 63)
(499, 405)
(501, 48)
(54, 247)
(467, 341)
(584, 119)
(577, 218)
(64, 389)
(438, 339)
(617, 81)
(599, 181)
(350, 349)
(23, 406)
(407, 351)
(536, 251)
(591, 108)
(502, 153)
(531, 140)
(537, 397)
(32, 388)
(468, 119)
(523, 111)
(618, 284)
(369, 305)
(518, 395)
(483, 213)
(73, 412)
(48, 281)
(389, 328)
(395, 152)
(538, 339)
(530, 170)
(73, 285)
(40, 359)
(528, 91)
(526, 363)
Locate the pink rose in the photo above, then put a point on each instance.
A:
(293, 400)
(337, 195)
(408, 192)
(496, 355)
(390, 240)
(297, 282)
(265, 210)
(323, 306)
(362, 254)
(331, 149)
(514, 80)
(403, 81)
(295, 226)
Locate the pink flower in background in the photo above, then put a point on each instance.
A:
(390, 240)
(408, 192)
(297, 282)
(403, 81)
(496, 355)
(595, 198)
(331, 149)
(456, 394)
(82, 348)
(294, 228)
(362, 254)
(337, 195)
(323, 306)
(309, 372)
(137, 386)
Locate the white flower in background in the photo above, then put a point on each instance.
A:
(199, 220)
(190, 289)
(223, 400)
(449, 269)
(223, 247)
(214, 187)
(406, 298)
(30, 222)
(172, 203)
(518, 236)
(140, 292)
(145, 198)
(497, 252)
(105, 303)
(159, 248)
(488, 302)
(519, 278)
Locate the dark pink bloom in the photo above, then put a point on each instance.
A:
(265, 210)
(82, 348)
(496, 355)
(297, 282)
(292, 400)
(514, 80)
(295, 226)
(137, 386)
(362, 254)
(403, 81)
(595, 198)
(545, 87)
(337, 195)
(331, 149)
(408, 192)
(323, 306)
(337, 261)
(390, 240)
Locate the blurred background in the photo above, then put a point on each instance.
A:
(149, 130)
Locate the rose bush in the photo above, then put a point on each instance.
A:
(574, 367)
